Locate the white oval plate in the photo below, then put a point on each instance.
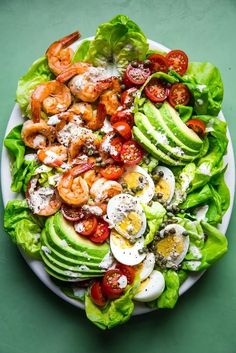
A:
(37, 266)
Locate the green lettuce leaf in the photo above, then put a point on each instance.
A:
(115, 312)
(39, 72)
(117, 43)
(81, 51)
(23, 227)
(154, 215)
(185, 112)
(169, 297)
(207, 245)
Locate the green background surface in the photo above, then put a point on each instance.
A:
(33, 319)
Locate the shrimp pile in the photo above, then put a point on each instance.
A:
(66, 113)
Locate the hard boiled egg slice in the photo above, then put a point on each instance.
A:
(173, 247)
(151, 288)
(140, 182)
(165, 183)
(146, 267)
(127, 216)
(124, 252)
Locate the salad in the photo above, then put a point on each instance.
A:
(120, 166)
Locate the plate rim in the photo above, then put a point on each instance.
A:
(37, 265)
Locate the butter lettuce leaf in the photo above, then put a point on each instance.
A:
(154, 215)
(114, 313)
(81, 51)
(23, 227)
(38, 72)
(169, 297)
(117, 43)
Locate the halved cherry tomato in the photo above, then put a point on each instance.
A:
(89, 226)
(73, 214)
(123, 115)
(110, 284)
(101, 233)
(112, 171)
(158, 63)
(137, 73)
(156, 90)
(197, 126)
(116, 146)
(177, 60)
(128, 271)
(127, 97)
(123, 129)
(97, 295)
(179, 94)
(131, 153)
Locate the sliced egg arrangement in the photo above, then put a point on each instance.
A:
(125, 252)
(165, 183)
(126, 215)
(140, 183)
(151, 288)
(173, 245)
(145, 268)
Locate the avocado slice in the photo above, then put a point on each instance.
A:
(157, 121)
(160, 140)
(66, 231)
(146, 143)
(179, 128)
(66, 259)
(55, 242)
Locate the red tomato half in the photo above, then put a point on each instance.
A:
(102, 232)
(197, 126)
(131, 153)
(97, 295)
(177, 60)
(123, 115)
(128, 271)
(158, 63)
(89, 225)
(123, 129)
(73, 214)
(137, 74)
(156, 90)
(116, 146)
(110, 284)
(112, 172)
(179, 94)
(127, 97)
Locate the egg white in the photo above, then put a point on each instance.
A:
(169, 178)
(117, 209)
(146, 267)
(151, 288)
(148, 192)
(124, 252)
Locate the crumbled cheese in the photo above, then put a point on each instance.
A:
(31, 157)
(79, 227)
(54, 179)
(39, 140)
(205, 169)
(53, 120)
(194, 250)
(50, 157)
(64, 243)
(177, 150)
(95, 210)
(193, 265)
(40, 198)
(107, 261)
(201, 212)
(83, 268)
(201, 87)
(71, 274)
(45, 249)
(43, 169)
(106, 126)
(122, 282)
(106, 144)
(37, 237)
(200, 101)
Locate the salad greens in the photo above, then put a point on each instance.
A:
(174, 157)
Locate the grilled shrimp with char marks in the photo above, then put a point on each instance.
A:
(59, 55)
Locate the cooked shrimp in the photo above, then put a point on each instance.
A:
(110, 98)
(86, 140)
(59, 55)
(37, 135)
(53, 156)
(103, 189)
(91, 176)
(72, 188)
(53, 97)
(78, 68)
(94, 119)
(43, 201)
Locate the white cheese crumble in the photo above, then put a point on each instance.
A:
(31, 157)
(201, 88)
(43, 169)
(201, 212)
(107, 261)
(195, 251)
(122, 281)
(79, 227)
(40, 198)
(95, 210)
(106, 126)
(45, 249)
(64, 243)
(177, 150)
(53, 120)
(193, 265)
(71, 274)
(200, 101)
(205, 169)
(83, 268)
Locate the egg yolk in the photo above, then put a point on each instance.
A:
(120, 241)
(143, 285)
(169, 245)
(133, 180)
(131, 223)
(163, 187)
